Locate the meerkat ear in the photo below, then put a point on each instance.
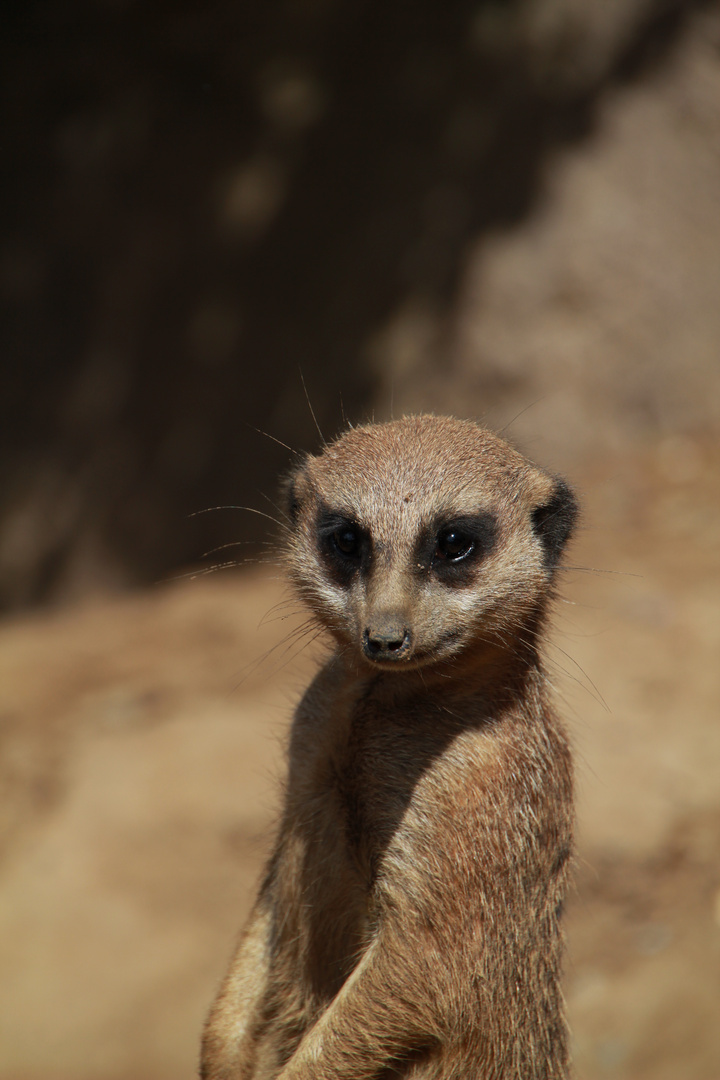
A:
(553, 522)
(291, 492)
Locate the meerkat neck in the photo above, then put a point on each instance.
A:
(500, 677)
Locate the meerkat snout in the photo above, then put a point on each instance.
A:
(387, 638)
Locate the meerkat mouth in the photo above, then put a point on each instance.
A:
(402, 653)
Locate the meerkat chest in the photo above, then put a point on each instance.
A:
(396, 772)
(375, 781)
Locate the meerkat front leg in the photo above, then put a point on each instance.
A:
(381, 1017)
(228, 1045)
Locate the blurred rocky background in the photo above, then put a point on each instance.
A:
(222, 222)
(482, 205)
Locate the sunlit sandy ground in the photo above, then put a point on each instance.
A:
(142, 755)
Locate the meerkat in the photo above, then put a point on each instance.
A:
(408, 924)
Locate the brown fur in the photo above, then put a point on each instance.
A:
(408, 922)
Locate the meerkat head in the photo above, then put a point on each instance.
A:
(414, 540)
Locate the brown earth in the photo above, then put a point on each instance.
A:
(142, 755)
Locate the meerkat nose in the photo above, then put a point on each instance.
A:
(388, 639)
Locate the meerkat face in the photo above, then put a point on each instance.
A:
(414, 540)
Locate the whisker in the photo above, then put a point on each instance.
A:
(275, 506)
(272, 437)
(521, 413)
(312, 412)
(249, 509)
(236, 543)
(275, 613)
(598, 570)
(302, 636)
(585, 682)
(203, 571)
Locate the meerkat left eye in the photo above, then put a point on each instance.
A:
(454, 544)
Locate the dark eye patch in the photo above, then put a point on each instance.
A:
(453, 547)
(344, 545)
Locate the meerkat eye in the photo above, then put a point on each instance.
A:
(347, 541)
(343, 545)
(454, 544)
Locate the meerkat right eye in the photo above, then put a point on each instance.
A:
(347, 541)
(343, 545)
